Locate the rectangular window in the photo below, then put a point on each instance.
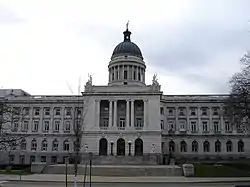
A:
(67, 126)
(228, 127)
(57, 111)
(56, 126)
(46, 126)
(181, 112)
(125, 74)
(113, 76)
(162, 125)
(138, 123)
(139, 76)
(204, 111)
(162, 110)
(216, 126)
(205, 126)
(215, 111)
(68, 111)
(121, 123)
(46, 111)
(171, 125)
(15, 126)
(192, 111)
(36, 111)
(32, 159)
(193, 126)
(26, 111)
(182, 124)
(43, 158)
(104, 122)
(25, 126)
(35, 126)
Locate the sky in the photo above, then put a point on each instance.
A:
(194, 46)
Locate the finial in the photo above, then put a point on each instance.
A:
(127, 25)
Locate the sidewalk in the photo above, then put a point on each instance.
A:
(145, 179)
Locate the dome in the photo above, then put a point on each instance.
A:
(127, 47)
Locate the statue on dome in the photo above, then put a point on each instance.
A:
(88, 85)
(156, 87)
(127, 25)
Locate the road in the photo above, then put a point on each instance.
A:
(44, 184)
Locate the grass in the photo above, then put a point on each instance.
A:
(206, 170)
(15, 172)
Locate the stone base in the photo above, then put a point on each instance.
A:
(115, 170)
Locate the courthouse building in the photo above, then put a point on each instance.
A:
(125, 118)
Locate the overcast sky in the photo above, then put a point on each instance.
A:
(194, 46)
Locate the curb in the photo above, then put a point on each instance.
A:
(132, 182)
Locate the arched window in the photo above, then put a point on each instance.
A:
(206, 146)
(138, 146)
(55, 145)
(229, 146)
(194, 146)
(171, 146)
(240, 146)
(44, 145)
(33, 145)
(66, 145)
(103, 146)
(23, 144)
(183, 146)
(217, 146)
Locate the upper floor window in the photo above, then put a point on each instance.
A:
(44, 145)
(68, 111)
(35, 126)
(121, 123)
(25, 126)
(216, 126)
(15, 126)
(205, 126)
(36, 111)
(67, 126)
(215, 111)
(125, 74)
(162, 110)
(204, 111)
(33, 145)
(138, 123)
(182, 124)
(228, 126)
(183, 146)
(170, 111)
(104, 122)
(162, 125)
(26, 111)
(46, 126)
(181, 112)
(57, 111)
(46, 111)
(193, 126)
(171, 125)
(193, 111)
(56, 125)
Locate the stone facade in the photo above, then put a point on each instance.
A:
(124, 118)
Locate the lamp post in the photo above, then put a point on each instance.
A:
(85, 169)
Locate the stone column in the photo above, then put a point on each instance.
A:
(115, 113)
(145, 112)
(137, 78)
(97, 112)
(127, 114)
(110, 113)
(132, 114)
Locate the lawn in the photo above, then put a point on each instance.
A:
(15, 172)
(206, 170)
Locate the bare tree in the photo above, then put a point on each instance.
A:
(9, 140)
(237, 105)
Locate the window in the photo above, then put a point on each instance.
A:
(125, 74)
(113, 76)
(67, 126)
(171, 125)
(182, 124)
(171, 146)
(162, 125)
(78, 111)
(204, 111)
(193, 126)
(170, 112)
(36, 111)
(46, 126)
(56, 126)
(181, 112)
(217, 146)
(134, 75)
(32, 159)
(183, 146)
(105, 122)
(66, 145)
(55, 145)
(138, 123)
(206, 146)
(26, 111)
(162, 110)
(23, 144)
(229, 145)
(44, 145)
(228, 127)
(43, 158)
(216, 126)
(68, 111)
(194, 146)
(12, 158)
(25, 126)
(35, 126)
(57, 111)
(240, 146)
(47, 111)
(121, 123)
(192, 111)
(33, 145)
(139, 76)
(215, 111)
(15, 126)
(205, 126)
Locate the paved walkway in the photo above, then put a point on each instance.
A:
(100, 179)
